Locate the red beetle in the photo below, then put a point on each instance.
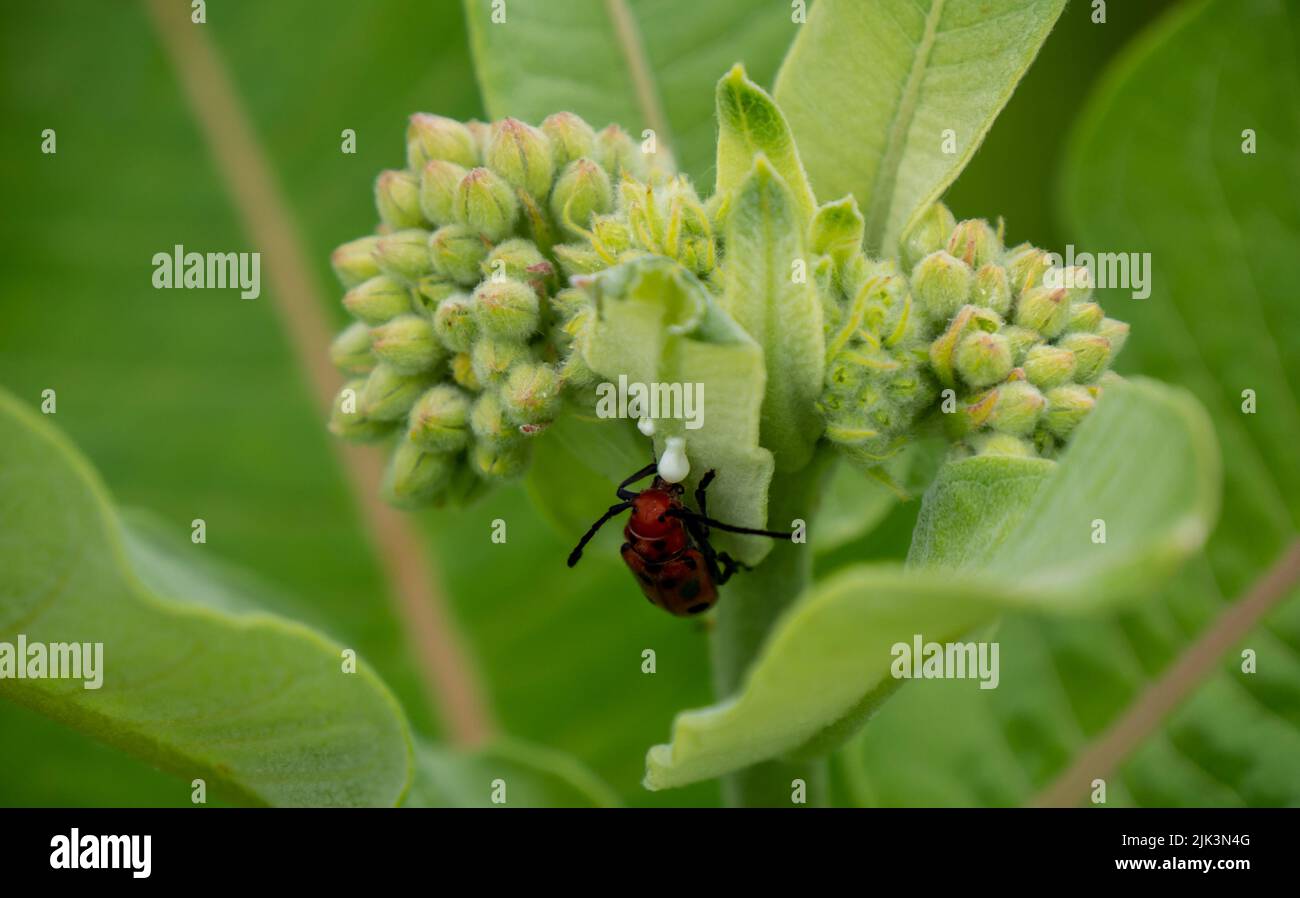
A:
(667, 545)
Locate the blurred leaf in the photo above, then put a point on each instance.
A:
(636, 63)
(871, 88)
(523, 775)
(1157, 166)
(854, 503)
(191, 402)
(657, 324)
(256, 705)
(826, 665)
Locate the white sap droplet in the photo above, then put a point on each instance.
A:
(646, 426)
(673, 465)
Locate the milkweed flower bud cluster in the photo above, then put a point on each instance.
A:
(1011, 353)
(463, 340)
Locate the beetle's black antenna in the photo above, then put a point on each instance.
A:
(624, 492)
(576, 554)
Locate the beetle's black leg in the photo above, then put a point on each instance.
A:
(576, 554)
(688, 515)
(624, 492)
(699, 492)
(700, 534)
(729, 567)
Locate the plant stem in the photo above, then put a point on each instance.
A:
(751, 604)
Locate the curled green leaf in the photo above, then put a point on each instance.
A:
(750, 125)
(656, 323)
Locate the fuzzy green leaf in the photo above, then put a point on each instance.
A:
(1158, 165)
(636, 63)
(750, 125)
(256, 705)
(506, 774)
(657, 324)
(870, 89)
(1019, 530)
(779, 308)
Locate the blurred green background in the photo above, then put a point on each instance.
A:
(191, 405)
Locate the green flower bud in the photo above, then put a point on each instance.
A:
(941, 285)
(992, 290)
(492, 359)
(1085, 316)
(415, 478)
(583, 190)
(457, 251)
(431, 290)
(404, 255)
(1117, 333)
(983, 359)
(506, 309)
(975, 243)
(1025, 266)
(488, 421)
(439, 181)
(485, 203)
(462, 371)
(1048, 366)
(1022, 339)
(350, 351)
(439, 421)
(407, 344)
(377, 300)
(928, 235)
(837, 230)
(1018, 408)
(531, 393)
(1076, 280)
(613, 235)
(618, 153)
(1066, 407)
(943, 350)
(389, 394)
(482, 133)
(575, 372)
(1091, 353)
(348, 423)
(501, 461)
(454, 323)
(520, 260)
(972, 413)
(570, 302)
(578, 259)
(1044, 309)
(430, 137)
(571, 137)
(995, 443)
(353, 261)
(522, 155)
(397, 197)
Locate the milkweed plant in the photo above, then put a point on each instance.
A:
(712, 304)
(517, 267)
